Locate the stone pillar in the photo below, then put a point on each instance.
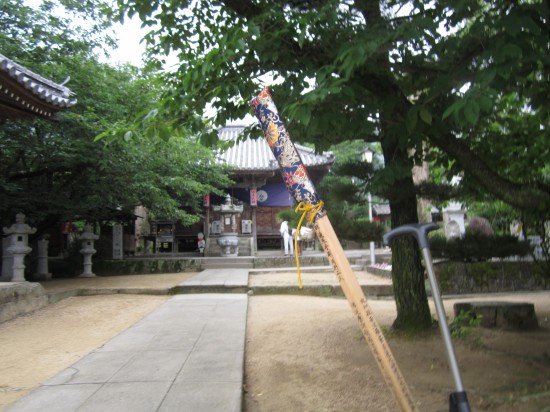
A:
(453, 220)
(87, 251)
(42, 272)
(118, 242)
(19, 234)
(7, 260)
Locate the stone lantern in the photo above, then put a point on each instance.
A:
(229, 241)
(88, 237)
(19, 246)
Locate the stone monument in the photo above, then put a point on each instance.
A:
(453, 220)
(42, 272)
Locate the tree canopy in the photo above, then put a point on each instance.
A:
(464, 83)
(471, 78)
(53, 171)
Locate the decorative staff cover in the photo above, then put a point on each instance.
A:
(293, 170)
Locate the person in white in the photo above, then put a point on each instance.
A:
(287, 238)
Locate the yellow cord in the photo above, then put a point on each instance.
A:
(312, 210)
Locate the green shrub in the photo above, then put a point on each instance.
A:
(475, 247)
(462, 324)
(360, 230)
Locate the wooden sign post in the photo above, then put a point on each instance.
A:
(301, 188)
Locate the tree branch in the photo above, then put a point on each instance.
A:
(518, 195)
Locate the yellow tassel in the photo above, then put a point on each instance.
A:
(312, 210)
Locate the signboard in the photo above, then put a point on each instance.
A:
(117, 242)
(206, 200)
(253, 197)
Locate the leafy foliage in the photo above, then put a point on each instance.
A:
(470, 78)
(459, 79)
(462, 325)
(54, 171)
(290, 216)
(53, 31)
(359, 229)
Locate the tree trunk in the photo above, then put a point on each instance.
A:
(411, 300)
(420, 175)
(413, 311)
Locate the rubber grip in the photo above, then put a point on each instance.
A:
(419, 231)
(458, 402)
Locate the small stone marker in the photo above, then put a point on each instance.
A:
(505, 315)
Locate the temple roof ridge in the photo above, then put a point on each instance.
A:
(255, 154)
(24, 93)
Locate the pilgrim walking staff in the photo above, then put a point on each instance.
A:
(458, 401)
(301, 188)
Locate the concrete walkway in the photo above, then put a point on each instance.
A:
(187, 355)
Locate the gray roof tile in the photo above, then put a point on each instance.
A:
(45, 91)
(255, 154)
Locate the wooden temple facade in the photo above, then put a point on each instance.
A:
(250, 206)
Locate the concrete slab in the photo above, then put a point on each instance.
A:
(186, 355)
(62, 398)
(218, 277)
(126, 396)
(197, 396)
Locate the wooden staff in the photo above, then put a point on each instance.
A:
(301, 188)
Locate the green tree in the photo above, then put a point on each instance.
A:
(54, 171)
(454, 79)
(53, 30)
(345, 188)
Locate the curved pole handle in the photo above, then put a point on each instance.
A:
(419, 231)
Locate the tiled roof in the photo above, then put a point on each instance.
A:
(24, 93)
(255, 154)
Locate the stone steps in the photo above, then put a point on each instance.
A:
(228, 263)
(370, 291)
(305, 269)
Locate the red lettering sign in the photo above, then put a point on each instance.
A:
(206, 200)
(253, 197)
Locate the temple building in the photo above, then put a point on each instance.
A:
(249, 209)
(26, 95)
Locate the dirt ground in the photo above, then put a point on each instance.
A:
(38, 345)
(308, 354)
(302, 353)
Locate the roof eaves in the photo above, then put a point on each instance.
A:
(45, 90)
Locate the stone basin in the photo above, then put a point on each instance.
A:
(229, 244)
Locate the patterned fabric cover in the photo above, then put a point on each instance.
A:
(292, 168)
